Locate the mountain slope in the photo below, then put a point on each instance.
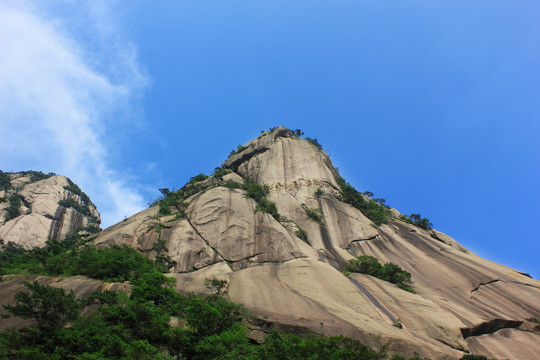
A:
(273, 223)
(36, 207)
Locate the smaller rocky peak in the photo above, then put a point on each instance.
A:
(36, 207)
(281, 156)
(256, 146)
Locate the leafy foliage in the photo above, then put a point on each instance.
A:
(473, 357)
(314, 142)
(417, 220)
(139, 326)
(258, 192)
(390, 272)
(314, 213)
(375, 211)
(72, 257)
(4, 181)
(302, 234)
(238, 150)
(255, 191)
(319, 192)
(269, 207)
(231, 184)
(71, 203)
(49, 306)
(76, 190)
(14, 209)
(220, 172)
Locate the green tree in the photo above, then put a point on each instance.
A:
(49, 306)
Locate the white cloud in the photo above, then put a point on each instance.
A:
(68, 76)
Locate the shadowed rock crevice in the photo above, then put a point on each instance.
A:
(489, 327)
(391, 318)
(373, 238)
(483, 284)
(58, 221)
(202, 237)
(243, 157)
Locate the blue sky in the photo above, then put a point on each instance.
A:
(434, 106)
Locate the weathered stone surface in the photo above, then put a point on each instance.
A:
(228, 223)
(188, 248)
(447, 240)
(279, 157)
(42, 218)
(506, 344)
(131, 230)
(194, 282)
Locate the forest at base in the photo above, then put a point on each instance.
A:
(138, 325)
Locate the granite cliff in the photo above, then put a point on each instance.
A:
(36, 207)
(276, 222)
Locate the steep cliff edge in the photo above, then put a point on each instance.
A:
(276, 223)
(36, 207)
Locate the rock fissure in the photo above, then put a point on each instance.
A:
(489, 327)
(361, 240)
(202, 237)
(483, 284)
(243, 157)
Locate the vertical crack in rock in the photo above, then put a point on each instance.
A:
(57, 223)
(202, 237)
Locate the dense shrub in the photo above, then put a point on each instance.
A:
(390, 272)
(76, 190)
(374, 211)
(238, 150)
(138, 326)
(315, 214)
(255, 191)
(319, 192)
(231, 184)
(314, 142)
(267, 206)
(82, 208)
(37, 175)
(4, 181)
(220, 172)
(417, 220)
(14, 209)
(258, 192)
(197, 178)
(473, 357)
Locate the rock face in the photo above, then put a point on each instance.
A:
(30, 213)
(288, 268)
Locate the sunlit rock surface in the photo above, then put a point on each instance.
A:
(41, 217)
(463, 303)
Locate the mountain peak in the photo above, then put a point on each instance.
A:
(280, 157)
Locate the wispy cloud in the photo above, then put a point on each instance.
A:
(68, 76)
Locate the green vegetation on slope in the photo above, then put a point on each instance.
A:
(258, 192)
(390, 272)
(4, 181)
(417, 220)
(14, 209)
(138, 327)
(375, 211)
